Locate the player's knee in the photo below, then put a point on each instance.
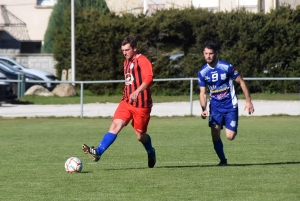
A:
(138, 137)
(231, 136)
(141, 137)
(116, 126)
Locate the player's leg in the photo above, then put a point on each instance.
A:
(145, 139)
(231, 124)
(141, 117)
(230, 134)
(107, 140)
(121, 118)
(110, 136)
(218, 144)
(215, 123)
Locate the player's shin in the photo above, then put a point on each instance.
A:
(218, 146)
(150, 151)
(148, 145)
(106, 141)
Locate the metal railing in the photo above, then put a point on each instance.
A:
(81, 83)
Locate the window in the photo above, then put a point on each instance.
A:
(46, 2)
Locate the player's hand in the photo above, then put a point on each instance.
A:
(133, 97)
(250, 107)
(204, 114)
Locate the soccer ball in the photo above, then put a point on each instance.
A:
(73, 164)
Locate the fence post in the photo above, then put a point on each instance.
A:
(19, 86)
(63, 75)
(191, 95)
(81, 99)
(23, 85)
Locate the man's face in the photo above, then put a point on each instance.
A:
(128, 51)
(209, 55)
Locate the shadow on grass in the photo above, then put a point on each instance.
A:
(83, 172)
(232, 165)
(18, 102)
(205, 166)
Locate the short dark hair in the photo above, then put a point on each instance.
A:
(211, 45)
(129, 40)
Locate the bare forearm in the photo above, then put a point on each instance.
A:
(203, 101)
(248, 104)
(246, 91)
(142, 87)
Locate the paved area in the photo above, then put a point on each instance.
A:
(159, 109)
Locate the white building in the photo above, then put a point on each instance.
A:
(250, 5)
(23, 24)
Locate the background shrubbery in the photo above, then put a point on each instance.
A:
(258, 45)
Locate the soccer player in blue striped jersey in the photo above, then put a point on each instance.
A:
(219, 77)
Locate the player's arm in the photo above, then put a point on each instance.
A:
(134, 95)
(203, 102)
(143, 86)
(147, 75)
(245, 90)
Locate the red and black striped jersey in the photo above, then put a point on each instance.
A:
(137, 71)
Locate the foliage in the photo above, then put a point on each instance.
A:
(56, 20)
(257, 44)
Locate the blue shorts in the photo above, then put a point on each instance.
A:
(228, 119)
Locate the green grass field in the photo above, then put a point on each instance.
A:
(264, 161)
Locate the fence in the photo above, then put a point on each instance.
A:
(81, 83)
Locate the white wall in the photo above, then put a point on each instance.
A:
(206, 4)
(125, 6)
(35, 17)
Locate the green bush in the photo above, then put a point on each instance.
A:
(257, 44)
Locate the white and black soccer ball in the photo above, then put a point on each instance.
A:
(73, 164)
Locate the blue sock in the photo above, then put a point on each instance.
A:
(219, 150)
(148, 145)
(106, 141)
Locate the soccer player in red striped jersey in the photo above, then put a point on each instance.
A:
(136, 103)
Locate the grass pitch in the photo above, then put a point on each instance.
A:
(264, 161)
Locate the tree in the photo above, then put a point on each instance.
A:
(56, 20)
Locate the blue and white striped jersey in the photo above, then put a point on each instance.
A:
(220, 84)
